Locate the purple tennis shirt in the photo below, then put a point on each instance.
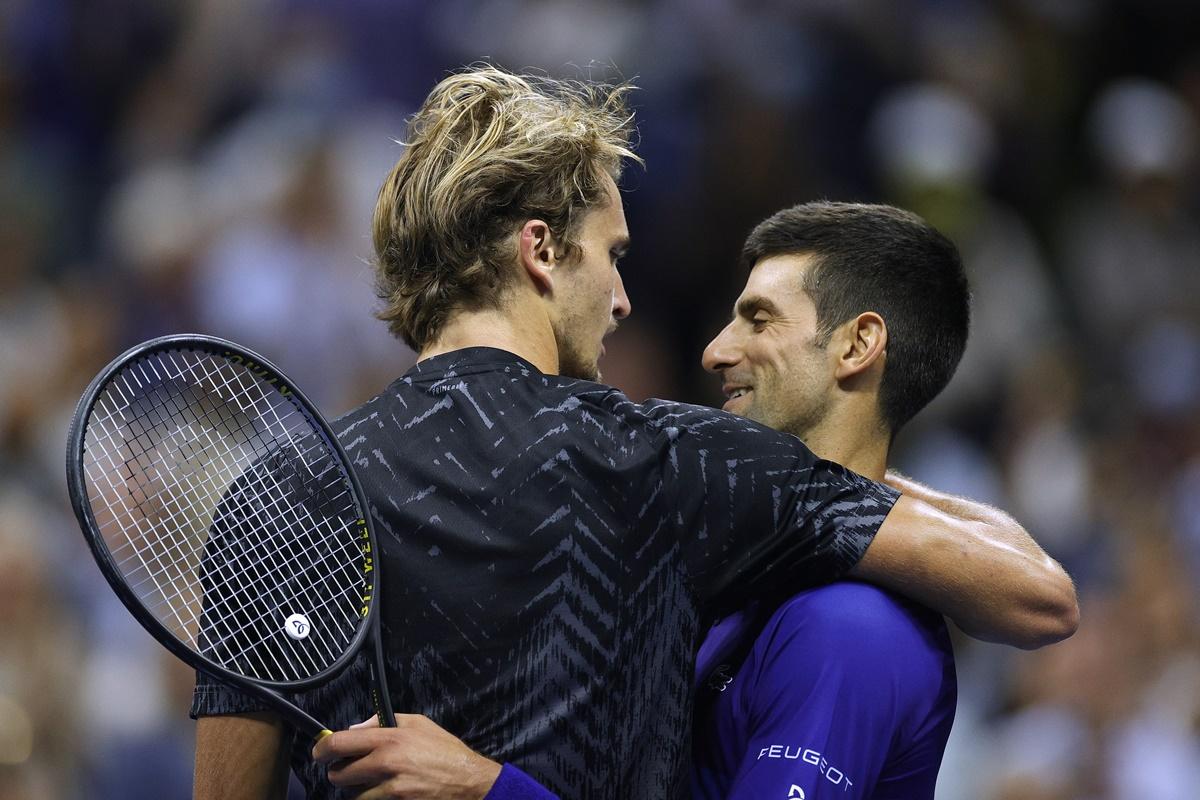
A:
(847, 692)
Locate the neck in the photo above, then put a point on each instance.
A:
(842, 437)
(525, 332)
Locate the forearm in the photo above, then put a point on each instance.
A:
(973, 563)
(240, 757)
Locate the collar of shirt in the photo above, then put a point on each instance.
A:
(467, 361)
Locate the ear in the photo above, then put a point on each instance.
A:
(862, 343)
(538, 251)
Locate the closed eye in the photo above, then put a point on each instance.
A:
(757, 310)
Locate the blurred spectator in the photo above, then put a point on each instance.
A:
(1130, 244)
(39, 660)
(934, 150)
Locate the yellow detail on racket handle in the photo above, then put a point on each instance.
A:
(324, 732)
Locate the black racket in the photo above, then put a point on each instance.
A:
(225, 515)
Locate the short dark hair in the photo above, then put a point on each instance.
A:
(890, 261)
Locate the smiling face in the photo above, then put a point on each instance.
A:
(590, 296)
(773, 369)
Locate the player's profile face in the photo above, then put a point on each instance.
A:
(590, 295)
(772, 369)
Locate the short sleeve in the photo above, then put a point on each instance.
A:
(212, 698)
(757, 511)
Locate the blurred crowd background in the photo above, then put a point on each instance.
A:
(211, 165)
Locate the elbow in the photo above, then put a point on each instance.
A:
(1051, 627)
(1054, 614)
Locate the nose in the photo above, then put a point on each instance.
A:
(721, 352)
(621, 308)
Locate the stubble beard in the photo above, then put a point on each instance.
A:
(800, 407)
(572, 361)
(573, 364)
(573, 369)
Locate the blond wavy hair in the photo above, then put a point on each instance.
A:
(488, 150)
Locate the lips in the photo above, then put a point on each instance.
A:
(734, 393)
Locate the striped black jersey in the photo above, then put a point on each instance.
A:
(548, 551)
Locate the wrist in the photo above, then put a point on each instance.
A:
(483, 776)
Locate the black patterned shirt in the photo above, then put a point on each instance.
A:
(549, 549)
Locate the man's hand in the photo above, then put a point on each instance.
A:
(416, 759)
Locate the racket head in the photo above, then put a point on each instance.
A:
(142, 519)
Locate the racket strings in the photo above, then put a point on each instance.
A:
(226, 512)
(264, 487)
(138, 434)
(138, 427)
(259, 568)
(269, 665)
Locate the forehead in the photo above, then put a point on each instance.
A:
(779, 279)
(607, 218)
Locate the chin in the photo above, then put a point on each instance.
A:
(575, 369)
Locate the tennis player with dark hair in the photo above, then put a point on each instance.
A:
(853, 318)
(550, 548)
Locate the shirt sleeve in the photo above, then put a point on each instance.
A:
(758, 512)
(513, 784)
(212, 698)
(832, 688)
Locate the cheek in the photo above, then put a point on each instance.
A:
(605, 288)
(772, 359)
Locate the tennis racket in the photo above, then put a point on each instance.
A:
(224, 513)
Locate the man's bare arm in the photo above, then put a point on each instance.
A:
(240, 757)
(973, 563)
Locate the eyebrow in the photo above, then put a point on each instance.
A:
(748, 305)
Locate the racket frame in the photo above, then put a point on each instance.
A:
(270, 692)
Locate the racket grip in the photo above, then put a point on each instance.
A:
(379, 691)
(306, 725)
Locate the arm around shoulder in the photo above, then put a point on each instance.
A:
(973, 563)
(240, 757)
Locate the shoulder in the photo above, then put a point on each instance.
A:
(857, 626)
(344, 425)
(850, 648)
(673, 421)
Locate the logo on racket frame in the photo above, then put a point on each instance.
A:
(368, 586)
(260, 371)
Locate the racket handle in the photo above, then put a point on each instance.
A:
(379, 691)
(306, 725)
